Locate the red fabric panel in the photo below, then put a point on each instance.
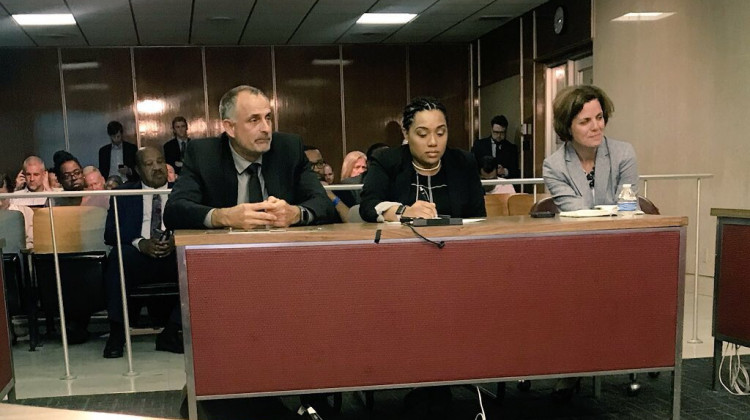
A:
(731, 317)
(6, 369)
(306, 317)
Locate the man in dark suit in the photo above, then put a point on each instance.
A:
(496, 145)
(147, 256)
(174, 150)
(118, 157)
(247, 177)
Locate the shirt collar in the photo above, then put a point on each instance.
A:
(240, 163)
(146, 187)
(116, 146)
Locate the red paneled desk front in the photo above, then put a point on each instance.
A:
(315, 309)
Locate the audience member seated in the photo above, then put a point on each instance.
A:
(328, 174)
(353, 197)
(316, 159)
(28, 214)
(52, 181)
(94, 181)
(113, 182)
(489, 170)
(171, 174)
(70, 174)
(588, 168)
(423, 178)
(355, 163)
(497, 146)
(272, 183)
(32, 178)
(117, 157)
(147, 256)
(174, 150)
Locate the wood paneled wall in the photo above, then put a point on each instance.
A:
(339, 98)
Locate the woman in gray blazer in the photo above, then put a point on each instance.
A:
(587, 170)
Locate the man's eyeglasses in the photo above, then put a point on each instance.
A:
(319, 164)
(72, 175)
(590, 178)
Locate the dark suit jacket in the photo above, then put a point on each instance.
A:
(390, 175)
(209, 180)
(130, 209)
(128, 158)
(508, 156)
(172, 153)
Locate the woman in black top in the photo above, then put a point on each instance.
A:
(423, 178)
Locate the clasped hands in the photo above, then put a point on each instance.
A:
(273, 211)
(156, 248)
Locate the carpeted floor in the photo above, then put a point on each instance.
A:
(653, 402)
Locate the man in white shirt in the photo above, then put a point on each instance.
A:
(148, 257)
(32, 178)
(28, 214)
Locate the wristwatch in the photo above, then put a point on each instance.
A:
(399, 211)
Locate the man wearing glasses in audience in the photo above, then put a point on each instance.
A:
(70, 174)
(317, 164)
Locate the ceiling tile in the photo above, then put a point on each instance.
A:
(219, 22)
(11, 35)
(163, 22)
(105, 23)
(273, 22)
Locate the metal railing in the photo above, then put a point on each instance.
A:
(337, 187)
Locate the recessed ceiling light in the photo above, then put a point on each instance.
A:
(80, 66)
(37, 19)
(385, 18)
(642, 16)
(331, 62)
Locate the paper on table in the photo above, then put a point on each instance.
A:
(587, 213)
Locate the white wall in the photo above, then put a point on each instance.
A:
(681, 89)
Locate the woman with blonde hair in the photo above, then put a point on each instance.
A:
(354, 164)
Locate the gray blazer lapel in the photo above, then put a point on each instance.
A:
(602, 174)
(575, 171)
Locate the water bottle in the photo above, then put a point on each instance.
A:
(627, 202)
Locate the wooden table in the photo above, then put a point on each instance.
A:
(731, 283)
(324, 309)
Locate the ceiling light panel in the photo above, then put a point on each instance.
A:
(39, 19)
(642, 16)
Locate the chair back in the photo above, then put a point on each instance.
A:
(353, 216)
(77, 229)
(647, 206)
(520, 204)
(13, 229)
(545, 204)
(496, 204)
